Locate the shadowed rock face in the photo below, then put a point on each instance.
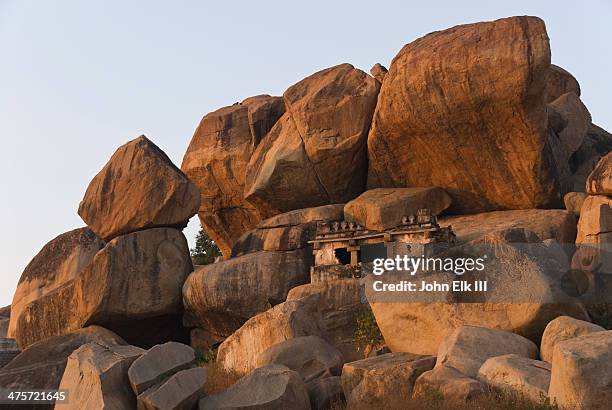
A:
(464, 100)
(316, 153)
(58, 262)
(132, 286)
(41, 365)
(216, 162)
(139, 188)
(560, 82)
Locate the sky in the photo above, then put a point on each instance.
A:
(78, 79)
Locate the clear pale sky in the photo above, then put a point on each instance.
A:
(80, 78)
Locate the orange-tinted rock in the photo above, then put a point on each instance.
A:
(379, 72)
(599, 181)
(464, 109)
(316, 153)
(560, 82)
(216, 162)
(596, 144)
(139, 188)
(58, 262)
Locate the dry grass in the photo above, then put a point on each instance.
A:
(433, 400)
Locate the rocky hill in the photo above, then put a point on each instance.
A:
(471, 138)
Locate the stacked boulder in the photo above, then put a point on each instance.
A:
(125, 271)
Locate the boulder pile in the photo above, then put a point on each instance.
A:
(471, 130)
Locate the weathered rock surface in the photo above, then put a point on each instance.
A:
(517, 260)
(275, 239)
(181, 391)
(291, 319)
(8, 351)
(310, 356)
(216, 162)
(378, 381)
(266, 388)
(132, 286)
(581, 372)
(332, 212)
(379, 72)
(525, 377)
(42, 364)
(139, 188)
(339, 302)
(5, 318)
(325, 393)
(429, 128)
(96, 377)
(596, 145)
(384, 208)
(454, 386)
(220, 297)
(560, 82)
(468, 347)
(599, 181)
(313, 155)
(157, 363)
(576, 121)
(545, 223)
(58, 262)
(573, 201)
(564, 328)
(595, 220)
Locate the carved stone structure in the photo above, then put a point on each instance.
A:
(345, 249)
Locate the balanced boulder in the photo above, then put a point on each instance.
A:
(564, 328)
(96, 377)
(139, 188)
(239, 352)
(220, 297)
(430, 129)
(132, 286)
(313, 155)
(270, 387)
(57, 263)
(383, 380)
(216, 162)
(384, 208)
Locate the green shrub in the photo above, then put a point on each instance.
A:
(367, 335)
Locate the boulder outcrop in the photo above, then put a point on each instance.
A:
(429, 128)
(96, 377)
(239, 352)
(599, 181)
(379, 72)
(596, 144)
(58, 262)
(220, 297)
(216, 162)
(313, 155)
(132, 286)
(139, 188)
(383, 208)
(325, 393)
(8, 351)
(573, 201)
(454, 386)
(559, 82)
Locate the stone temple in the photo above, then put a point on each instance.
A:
(345, 249)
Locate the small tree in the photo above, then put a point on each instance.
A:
(205, 250)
